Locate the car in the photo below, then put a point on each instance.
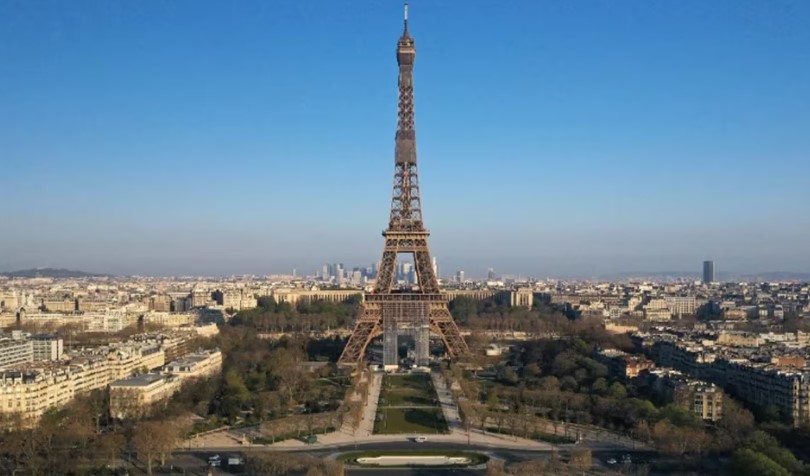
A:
(612, 461)
(420, 439)
(626, 459)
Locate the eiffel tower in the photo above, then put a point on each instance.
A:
(421, 309)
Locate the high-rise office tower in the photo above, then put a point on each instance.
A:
(491, 274)
(406, 269)
(708, 271)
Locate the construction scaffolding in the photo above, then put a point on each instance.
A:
(409, 318)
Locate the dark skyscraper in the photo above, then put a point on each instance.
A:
(708, 271)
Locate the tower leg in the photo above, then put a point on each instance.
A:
(390, 342)
(366, 328)
(442, 323)
(422, 339)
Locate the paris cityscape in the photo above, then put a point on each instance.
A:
(200, 315)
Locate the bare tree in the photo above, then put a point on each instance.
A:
(145, 443)
(581, 459)
(495, 467)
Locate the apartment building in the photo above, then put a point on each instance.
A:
(681, 305)
(135, 395)
(170, 319)
(196, 365)
(623, 365)
(15, 351)
(47, 347)
(31, 390)
(704, 399)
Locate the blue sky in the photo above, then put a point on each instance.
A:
(555, 138)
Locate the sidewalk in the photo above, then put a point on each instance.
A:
(449, 408)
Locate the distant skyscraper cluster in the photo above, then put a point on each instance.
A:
(708, 272)
(339, 274)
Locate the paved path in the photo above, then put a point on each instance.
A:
(366, 428)
(449, 408)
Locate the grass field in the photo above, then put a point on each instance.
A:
(408, 390)
(410, 420)
(409, 404)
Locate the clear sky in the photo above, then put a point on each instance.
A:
(555, 138)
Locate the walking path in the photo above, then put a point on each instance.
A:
(449, 408)
(366, 428)
(364, 433)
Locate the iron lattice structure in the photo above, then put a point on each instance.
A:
(387, 309)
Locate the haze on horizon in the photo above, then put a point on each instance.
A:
(554, 138)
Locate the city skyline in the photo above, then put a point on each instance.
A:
(582, 141)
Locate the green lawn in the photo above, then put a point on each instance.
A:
(409, 404)
(410, 420)
(408, 390)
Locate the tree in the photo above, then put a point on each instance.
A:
(768, 446)
(532, 371)
(495, 467)
(507, 375)
(534, 467)
(569, 383)
(145, 443)
(599, 386)
(680, 416)
(617, 390)
(747, 462)
(581, 459)
(550, 384)
(668, 438)
(315, 471)
(735, 424)
(464, 309)
(109, 447)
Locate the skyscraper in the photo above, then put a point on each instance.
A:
(708, 272)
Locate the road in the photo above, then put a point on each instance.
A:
(194, 461)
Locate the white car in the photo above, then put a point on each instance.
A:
(420, 439)
(612, 461)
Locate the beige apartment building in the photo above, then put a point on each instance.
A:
(200, 364)
(31, 391)
(14, 351)
(133, 396)
(704, 399)
(170, 319)
(294, 296)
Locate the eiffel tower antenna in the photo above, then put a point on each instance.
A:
(421, 309)
(406, 18)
